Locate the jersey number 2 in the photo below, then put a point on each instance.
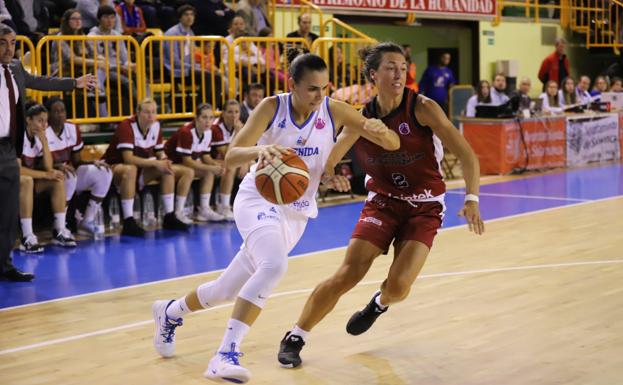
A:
(400, 180)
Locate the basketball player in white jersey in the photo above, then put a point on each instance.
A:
(303, 121)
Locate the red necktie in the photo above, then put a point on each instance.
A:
(12, 101)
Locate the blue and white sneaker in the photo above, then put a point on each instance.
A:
(224, 366)
(164, 335)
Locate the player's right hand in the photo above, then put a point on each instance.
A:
(55, 175)
(164, 166)
(375, 126)
(270, 152)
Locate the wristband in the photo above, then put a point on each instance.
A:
(471, 197)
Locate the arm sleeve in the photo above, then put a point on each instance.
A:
(79, 143)
(126, 136)
(184, 143)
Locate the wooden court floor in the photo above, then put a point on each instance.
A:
(537, 300)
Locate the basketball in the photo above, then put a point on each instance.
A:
(284, 182)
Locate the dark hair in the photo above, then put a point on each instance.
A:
(202, 107)
(5, 29)
(253, 86)
(52, 101)
(301, 60)
(65, 30)
(373, 55)
(569, 97)
(185, 8)
(614, 80)
(35, 110)
(264, 32)
(105, 10)
(553, 100)
(481, 97)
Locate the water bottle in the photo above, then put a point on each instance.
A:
(113, 211)
(98, 223)
(149, 217)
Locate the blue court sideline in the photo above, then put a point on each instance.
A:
(116, 262)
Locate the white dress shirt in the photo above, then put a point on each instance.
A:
(5, 108)
(498, 98)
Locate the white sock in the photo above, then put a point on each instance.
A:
(26, 226)
(178, 309)
(378, 302)
(224, 200)
(297, 331)
(167, 202)
(127, 207)
(205, 201)
(89, 213)
(234, 334)
(180, 202)
(59, 221)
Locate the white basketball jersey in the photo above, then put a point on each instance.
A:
(312, 141)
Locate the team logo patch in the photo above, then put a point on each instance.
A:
(372, 220)
(404, 128)
(319, 124)
(300, 141)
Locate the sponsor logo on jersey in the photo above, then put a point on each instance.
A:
(282, 124)
(404, 128)
(306, 151)
(426, 195)
(395, 158)
(372, 220)
(263, 216)
(319, 124)
(300, 205)
(273, 209)
(300, 141)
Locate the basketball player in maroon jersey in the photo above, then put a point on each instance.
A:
(405, 202)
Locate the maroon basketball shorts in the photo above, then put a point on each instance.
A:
(384, 219)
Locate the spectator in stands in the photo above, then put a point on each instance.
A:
(71, 61)
(65, 144)
(583, 96)
(437, 80)
(250, 66)
(616, 85)
(550, 102)
(190, 146)
(498, 93)
(254, 13)
(520, 99)
(223, 130)
(273, 52)
(37, 175)
(411, 70)
(120, 67)
(252, 96)
(136, 154)
(132, 21)
(482, 97)
(215, 17)
(601, 85)
(31, 18)
(339, 72)
(5, 16)
(555, 66)
(305, 24)
(567, 95)
(184, 49)
(237, 28)
(88, 9)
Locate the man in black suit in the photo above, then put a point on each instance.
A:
(13, 83)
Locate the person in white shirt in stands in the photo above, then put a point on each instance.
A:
(583, 96)
(482, 97)
(567, 95)
(498, 96)
(550, 99)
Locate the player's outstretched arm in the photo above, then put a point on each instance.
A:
(430, 114)
(372, 129)
(243, 148)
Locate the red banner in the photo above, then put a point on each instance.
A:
(465, 7)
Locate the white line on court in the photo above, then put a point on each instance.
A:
(297, 256)
(542, 197)
(303, 291)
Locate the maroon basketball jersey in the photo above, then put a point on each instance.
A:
(412, 172)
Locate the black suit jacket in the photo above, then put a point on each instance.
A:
(25, 80)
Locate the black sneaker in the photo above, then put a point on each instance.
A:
(131, 228)
(63, 238)
(289, 350)
(172, 222)
(362, 320)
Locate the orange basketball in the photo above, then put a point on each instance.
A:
(284, 182)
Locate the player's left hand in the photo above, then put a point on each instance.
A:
(471, 212)
(375, 126)
(100, 164)
(336, 182)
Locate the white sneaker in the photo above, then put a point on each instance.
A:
(209, 215)
(184, 219)
(224, 366)
(86, 228)
(164, 335)
(226, 212)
